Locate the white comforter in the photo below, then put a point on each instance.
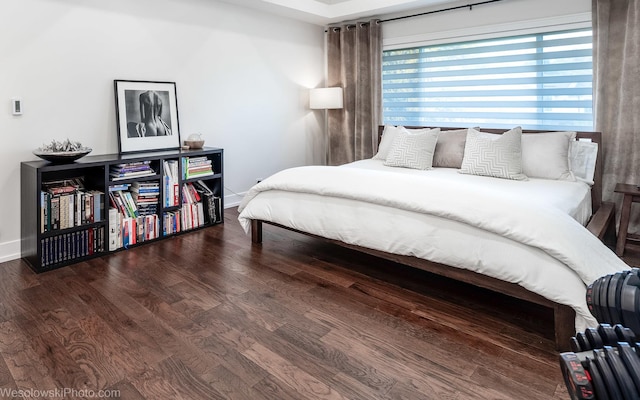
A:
(511, 234)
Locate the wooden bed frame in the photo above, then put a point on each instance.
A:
(601, 223)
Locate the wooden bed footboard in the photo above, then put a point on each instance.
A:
(564, 316)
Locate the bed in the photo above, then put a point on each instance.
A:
(535, 239)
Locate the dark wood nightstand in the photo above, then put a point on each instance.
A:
(631, 195)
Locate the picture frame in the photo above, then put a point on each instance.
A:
(146, 116)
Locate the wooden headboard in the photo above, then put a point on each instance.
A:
(596, 137)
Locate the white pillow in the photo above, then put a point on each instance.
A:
(413, 150)
(582, 157)
(546, 155)
(389, 134)
(499, 156)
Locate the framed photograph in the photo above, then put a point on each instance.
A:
(146, 115)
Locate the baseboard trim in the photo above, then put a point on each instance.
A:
(233, 200)
(10, 251)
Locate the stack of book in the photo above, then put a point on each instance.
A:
(64, 185)
(131, 170)
(145, 195)
(196, 167)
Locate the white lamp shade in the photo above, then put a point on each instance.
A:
(325, 98)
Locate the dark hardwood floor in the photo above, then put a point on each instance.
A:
(208, 315)
(632, 256)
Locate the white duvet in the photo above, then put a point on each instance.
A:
(525, 232)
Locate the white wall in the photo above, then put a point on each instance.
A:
(241, 76)
(483, 19)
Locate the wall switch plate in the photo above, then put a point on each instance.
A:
(16, 106)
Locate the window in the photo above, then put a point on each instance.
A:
(538, 81)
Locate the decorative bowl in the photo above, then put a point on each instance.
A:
(194, 144)
(62, 156)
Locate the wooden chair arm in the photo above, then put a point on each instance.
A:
(603, 220)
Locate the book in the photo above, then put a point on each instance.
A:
(62, 189)
(71, 210)
(98, 205)
(55, 212)
(120, 177)
(150, 230)
(131, 204)
(80, 209)
(113, 234)
(170, 183)
(145, 188)
(218, 208)
(200, 212)
(119, 187)
(63, 186)
(196, 167)
(117, 202)
(64, 211)
(43, 211)
(131, 170)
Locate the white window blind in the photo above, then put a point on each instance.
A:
(538, 81)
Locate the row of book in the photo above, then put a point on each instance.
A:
(131, 170)
(66, 209)
(189, 216)
(198, 214)
(200, 206)
(192, 212)
(196, 167)
(198, 191)
(171, 222)
(67, 206)
(72, 245)
(126, 231)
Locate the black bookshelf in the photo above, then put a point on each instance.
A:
(47, 247)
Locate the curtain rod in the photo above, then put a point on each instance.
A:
(470, 6)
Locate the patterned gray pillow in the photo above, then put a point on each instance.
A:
(389, 135)
(499, 156)
(413, 150)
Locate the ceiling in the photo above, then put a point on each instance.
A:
(324, 12)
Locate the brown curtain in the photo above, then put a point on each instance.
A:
(616, 70)
(354, 56)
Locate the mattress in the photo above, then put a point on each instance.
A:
(572, 197)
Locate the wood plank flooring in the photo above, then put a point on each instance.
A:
(208, 315)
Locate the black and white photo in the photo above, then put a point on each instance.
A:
(147, 115)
